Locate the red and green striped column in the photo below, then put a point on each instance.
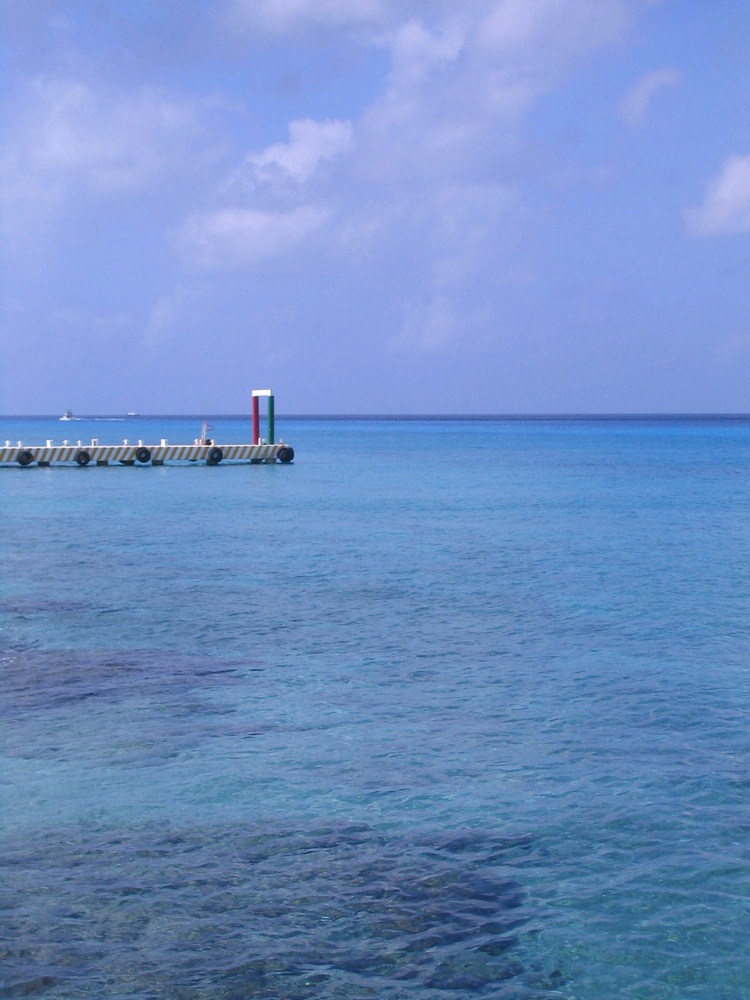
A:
(257, 393)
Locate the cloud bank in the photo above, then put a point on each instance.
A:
(362, 182)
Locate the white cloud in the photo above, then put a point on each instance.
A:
(70, 143)
(244, 230)
(110, 141)
(464, 78)
(635, 104)
(310, 144)
(726, 207)
(549, 33)
(238, 237)
(416, 50)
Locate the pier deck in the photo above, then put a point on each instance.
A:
(203, 449)
(141, 453)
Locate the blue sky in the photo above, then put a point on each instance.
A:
(371, 206)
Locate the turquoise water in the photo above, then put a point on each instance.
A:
(443, 709)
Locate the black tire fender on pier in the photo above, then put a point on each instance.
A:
(25, 458)
(214, 456)
(285, 454)
(143, 455)
(83, 458)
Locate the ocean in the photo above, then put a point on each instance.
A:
(443, 709)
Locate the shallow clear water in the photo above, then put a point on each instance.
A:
(445, 708)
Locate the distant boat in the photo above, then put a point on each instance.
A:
(68, 416)
(134, 414)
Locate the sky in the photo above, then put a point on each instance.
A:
(375, 206)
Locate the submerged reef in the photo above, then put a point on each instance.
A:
(224, 913)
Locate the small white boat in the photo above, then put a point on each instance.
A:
(68, 416)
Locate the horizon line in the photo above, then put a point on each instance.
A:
(631, 415)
